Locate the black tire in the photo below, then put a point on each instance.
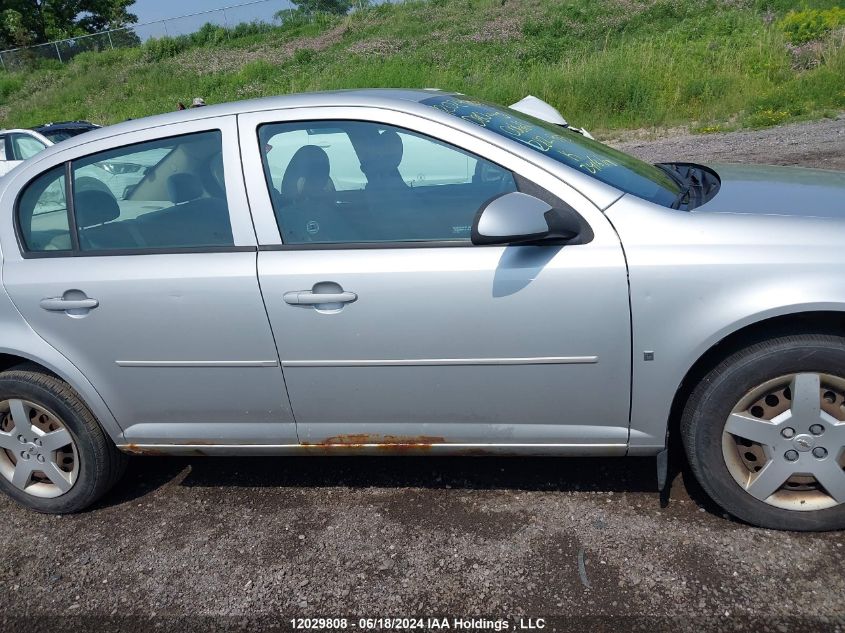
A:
(712, 401)
(101, 464)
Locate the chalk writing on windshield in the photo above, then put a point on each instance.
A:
(524, 132)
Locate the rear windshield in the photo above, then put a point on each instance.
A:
(64, 134)
(57, 136)
(590, 157)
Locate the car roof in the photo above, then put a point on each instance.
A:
(384, 97)
(65, 124)
(33, 133)
(19, 130)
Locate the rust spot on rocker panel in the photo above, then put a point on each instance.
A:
(387, 443)
(134, 449)
(336, 443)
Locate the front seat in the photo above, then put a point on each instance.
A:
(307, 175)
(400, 213)
(382, 165)
(307, 209)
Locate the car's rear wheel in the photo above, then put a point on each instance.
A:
(54, 456)
(764, 433)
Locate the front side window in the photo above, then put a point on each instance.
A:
(42, 213)
(25, 146)
(167, 193)
(590, 157)
(358, 182)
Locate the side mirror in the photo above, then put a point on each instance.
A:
(519, 218)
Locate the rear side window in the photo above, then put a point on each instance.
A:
(43, 215)
(168, 193)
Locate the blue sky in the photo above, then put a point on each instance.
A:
(153, 10)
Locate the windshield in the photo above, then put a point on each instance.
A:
(565, 146)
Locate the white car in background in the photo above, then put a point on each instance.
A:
(18, 145)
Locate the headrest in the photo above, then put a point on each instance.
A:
(93, 207)
(183, 187)
(390, 148)
(307, 173)
(384, 155)
(85, 183)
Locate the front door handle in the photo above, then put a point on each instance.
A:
(308, 298)
(58, 304)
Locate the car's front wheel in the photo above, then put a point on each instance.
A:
(764, 433)
(54, 457)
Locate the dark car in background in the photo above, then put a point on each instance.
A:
(63, 130)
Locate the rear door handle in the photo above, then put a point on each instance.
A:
(58, 304)
(308, 298)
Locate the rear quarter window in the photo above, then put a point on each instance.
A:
(43, 213)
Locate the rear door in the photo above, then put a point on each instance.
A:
(137, 261)
(420, 336)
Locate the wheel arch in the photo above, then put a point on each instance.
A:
(804, 322)
(10, 358)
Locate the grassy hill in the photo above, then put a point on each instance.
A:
(607, 64)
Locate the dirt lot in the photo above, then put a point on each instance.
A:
(240, 543)
(816, 144)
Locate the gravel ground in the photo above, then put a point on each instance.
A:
(814, 144)
(237, 544)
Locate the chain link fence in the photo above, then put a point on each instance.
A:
(262, 11)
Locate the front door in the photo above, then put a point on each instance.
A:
(149, 286)
(393, 328)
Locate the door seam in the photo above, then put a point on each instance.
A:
(276, 345)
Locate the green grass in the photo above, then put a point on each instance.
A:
(607, 64)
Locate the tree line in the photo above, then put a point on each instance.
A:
(30, 22)
(33, 22)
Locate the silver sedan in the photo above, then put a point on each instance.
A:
(414, 271)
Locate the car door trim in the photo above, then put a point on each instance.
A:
(339, 246)
(120, 252)
(197, 363)
(439, 362)
(445, 448)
